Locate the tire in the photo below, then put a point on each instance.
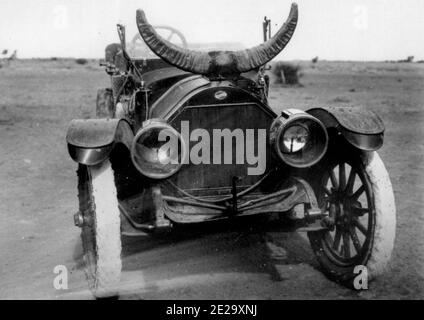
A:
(337, 258)
(105, 107)
(101, 230)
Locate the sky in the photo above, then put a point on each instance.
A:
(329, 29)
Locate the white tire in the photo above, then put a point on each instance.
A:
(385, 229)
(101, 232)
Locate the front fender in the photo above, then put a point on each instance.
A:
(91, 141)
(363, 128)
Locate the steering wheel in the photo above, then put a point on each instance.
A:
(137, 47)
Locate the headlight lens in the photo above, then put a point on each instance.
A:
(158, 150)
(294, 138)
(299, 139)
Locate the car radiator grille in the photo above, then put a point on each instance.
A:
(217, 178)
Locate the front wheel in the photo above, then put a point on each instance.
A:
(357, 194)
(101, 228)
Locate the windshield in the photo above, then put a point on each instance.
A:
(137, 49)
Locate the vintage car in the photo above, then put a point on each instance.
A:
(188, 137)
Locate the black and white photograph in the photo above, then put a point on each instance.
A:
(212, 150)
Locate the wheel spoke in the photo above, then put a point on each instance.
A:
(346, 245)
(360, 226)
(350, 181)
(337, 238)
(342, 176)
(333, 211)
(355, 240)
(360, 211)
(358, 192)
(327, 192)
(334, 180)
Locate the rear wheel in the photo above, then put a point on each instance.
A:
(101, 234)
(357, 194)
(104, 104)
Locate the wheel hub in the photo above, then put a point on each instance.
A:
(78, 219)
(342, 206)
(82, 219)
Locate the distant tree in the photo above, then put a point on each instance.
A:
(13, 56)
(409, 59)
(286, 73)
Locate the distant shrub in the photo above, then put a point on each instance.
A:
(286, 73)
(81, 61)
(340, 100)
(408, 59)
(53, 59)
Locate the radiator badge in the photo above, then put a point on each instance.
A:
(221, 95)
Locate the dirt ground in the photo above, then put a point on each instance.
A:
(38, 98)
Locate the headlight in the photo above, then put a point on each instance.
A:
(299, 139)
(158, 150)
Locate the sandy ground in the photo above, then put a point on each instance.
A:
(38, 194)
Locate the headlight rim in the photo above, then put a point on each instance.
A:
(152, 124)
(290, 119)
